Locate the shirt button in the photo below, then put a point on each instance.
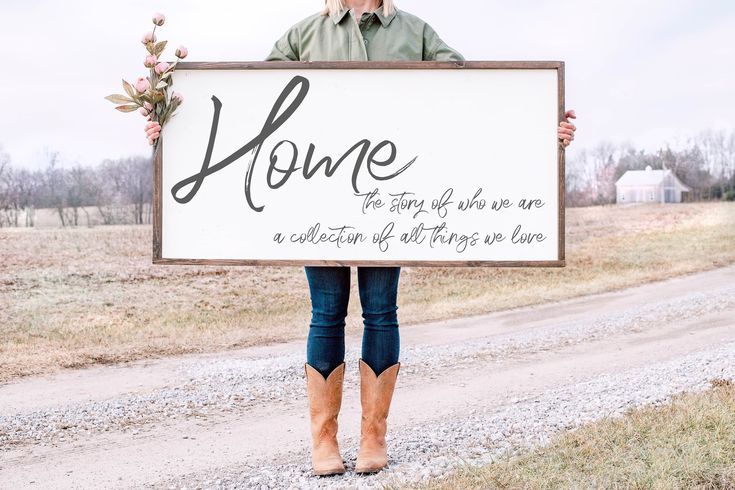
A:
(365, 41)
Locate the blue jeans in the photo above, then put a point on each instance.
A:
(330, 293)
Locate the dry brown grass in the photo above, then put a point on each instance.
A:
(687, 443)
(73, 297)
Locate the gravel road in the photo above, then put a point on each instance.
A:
(468, 390)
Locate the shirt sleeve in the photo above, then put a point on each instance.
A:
(437, 50)
(286, 48)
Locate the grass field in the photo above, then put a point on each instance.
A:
(74, 297)
(688, 443)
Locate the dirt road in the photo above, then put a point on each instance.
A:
(468, 389)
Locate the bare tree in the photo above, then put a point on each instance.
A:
(80, 192)
(4, 160)
(8, 198)
(592, 175)
(109, 200)
(125, 190)
(138, 187)
(56, 184)
(718, 151)
(28, 185)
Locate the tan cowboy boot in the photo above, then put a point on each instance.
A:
(325, 400)
(376, 393)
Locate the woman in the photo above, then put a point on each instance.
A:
(356, 30)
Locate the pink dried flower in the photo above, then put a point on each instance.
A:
(143, 97)
(142, 84)
(162, 67)
(148, 37)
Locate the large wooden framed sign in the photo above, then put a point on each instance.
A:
(376, 163)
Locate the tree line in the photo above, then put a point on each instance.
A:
(706, 163)
(121, 190)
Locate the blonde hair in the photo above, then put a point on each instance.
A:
(334, 6)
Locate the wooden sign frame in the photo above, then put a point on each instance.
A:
(296, 65)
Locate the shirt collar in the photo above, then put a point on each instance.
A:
(384, 20)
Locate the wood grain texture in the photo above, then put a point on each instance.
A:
(158, 202)
(365, 65)
(365, 263)
(562, 164)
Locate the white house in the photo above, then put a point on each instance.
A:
(649, 186)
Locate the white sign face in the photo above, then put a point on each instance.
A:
(422, 166)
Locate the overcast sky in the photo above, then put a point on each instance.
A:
(645, 72)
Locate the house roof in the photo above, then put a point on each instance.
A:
(647, 177)
(642, 177)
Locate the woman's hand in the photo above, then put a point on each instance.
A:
(152, 130)
(567, 129)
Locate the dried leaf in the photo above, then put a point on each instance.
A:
(129, 89)
(168, 111)
(127, 108)
(119, 99)
(161, 85)
(158, 49)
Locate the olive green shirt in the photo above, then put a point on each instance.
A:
(397, 37)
